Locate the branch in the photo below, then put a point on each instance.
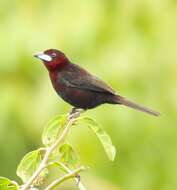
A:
(68, 170)
(57, 182)
(70, 120)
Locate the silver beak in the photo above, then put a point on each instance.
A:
(43, 56)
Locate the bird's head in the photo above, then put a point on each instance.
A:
(52, 58)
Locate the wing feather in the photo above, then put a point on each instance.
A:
(79, 78)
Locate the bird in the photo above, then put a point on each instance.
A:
(78, 87)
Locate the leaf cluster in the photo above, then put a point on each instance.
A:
(64, 157)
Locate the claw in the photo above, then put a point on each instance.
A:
(75, 112)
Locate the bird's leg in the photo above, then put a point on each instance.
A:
(75, 112)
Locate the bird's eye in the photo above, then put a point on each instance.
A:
(53, 55)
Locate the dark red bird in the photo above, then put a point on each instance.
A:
(78, 87)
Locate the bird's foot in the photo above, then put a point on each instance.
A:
(75, 112)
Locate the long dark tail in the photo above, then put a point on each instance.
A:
(125, 102)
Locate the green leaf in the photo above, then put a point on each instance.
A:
(67, 154)
(53, 129)
(101, 134)
(6, 184)
(59, 165)
(65, 169)
(29, 164)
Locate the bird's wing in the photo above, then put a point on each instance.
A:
(85, 81)
(92, 83)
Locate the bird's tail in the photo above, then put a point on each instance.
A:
(123, 101)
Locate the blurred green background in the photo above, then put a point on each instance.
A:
(132, 45)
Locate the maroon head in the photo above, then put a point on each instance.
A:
(52, 58)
